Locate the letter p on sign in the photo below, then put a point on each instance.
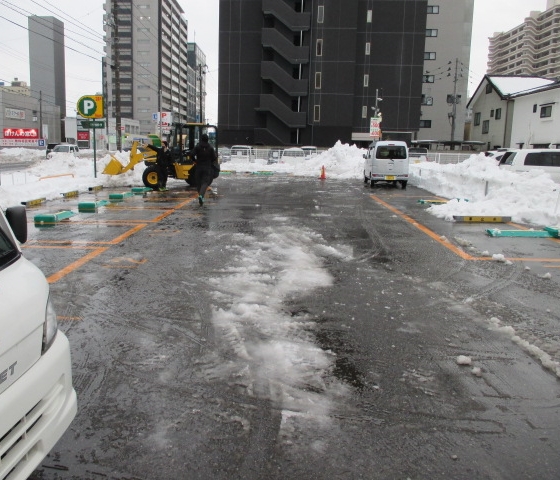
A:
(91, 106)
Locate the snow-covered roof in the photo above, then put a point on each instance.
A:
(517, 84)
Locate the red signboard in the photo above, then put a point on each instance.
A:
(83, 135)
(21, 133)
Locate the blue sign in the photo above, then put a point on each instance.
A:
(41, 142)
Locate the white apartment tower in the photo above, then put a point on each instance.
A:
(532, 48)
(146, 65)
(446, 69)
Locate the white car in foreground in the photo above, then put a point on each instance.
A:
(37, 399)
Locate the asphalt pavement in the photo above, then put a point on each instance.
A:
(300, 328)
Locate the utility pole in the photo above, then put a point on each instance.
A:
(40, 113)
(116, 68)
(201, 92)
(454, 98)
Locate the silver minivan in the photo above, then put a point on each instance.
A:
(387, 161)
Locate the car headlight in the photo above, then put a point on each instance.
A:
(50, 327)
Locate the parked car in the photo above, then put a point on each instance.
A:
(527, 159)
(292, 155)
(274, 155)
(418, 154)
(243, 153)
(310, 152)
(65, 148)
(225, 154)
(387, 161)
(37, 399)
(50, 148)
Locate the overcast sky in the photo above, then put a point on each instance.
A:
(84, 39)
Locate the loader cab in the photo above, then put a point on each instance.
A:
(184, 136)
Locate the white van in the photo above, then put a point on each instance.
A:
(243, 153)
(37, 400)
(526, 159)
(293, 156)
(387, 161)
(64, 148)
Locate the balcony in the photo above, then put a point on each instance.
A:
(273, 39)
(269, 103)
(295, 21)
(295, 88)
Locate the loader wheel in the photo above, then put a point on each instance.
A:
(150, 177)
(191, 180)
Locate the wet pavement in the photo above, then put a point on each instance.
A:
(299, 328)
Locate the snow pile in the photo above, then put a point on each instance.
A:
(476, 186)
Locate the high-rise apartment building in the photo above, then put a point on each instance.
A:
(531, 48)
(300, 72)
(446, 69)
(146, 69)
(197, 97)
(47, 71)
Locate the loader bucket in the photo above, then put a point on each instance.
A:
(114, 167)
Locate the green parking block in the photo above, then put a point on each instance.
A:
(262, 173)
(496, 232)
(119, 196)
(91, 206)
(53, 217)
(141, 190)
(553, 231)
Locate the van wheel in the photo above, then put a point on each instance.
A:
(372, 185)
(403, 184)
(366, 179)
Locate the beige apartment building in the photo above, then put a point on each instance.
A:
(446, 69)
(532, 48)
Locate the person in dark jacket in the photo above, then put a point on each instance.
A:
(162, 160)
(204, 156)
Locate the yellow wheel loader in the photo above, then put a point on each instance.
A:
(182, 139)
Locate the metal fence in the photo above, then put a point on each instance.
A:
(448, 157)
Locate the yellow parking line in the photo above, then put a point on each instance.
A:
(427, 231)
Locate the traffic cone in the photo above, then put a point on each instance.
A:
(323, 173)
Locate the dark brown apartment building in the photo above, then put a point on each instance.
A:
(311, 72)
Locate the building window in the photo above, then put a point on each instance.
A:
(546, 111)
(368, 48)
(498, 114)
(366, 81)
(319, 48)
(317, 113)
(320, 14)
(143, 99)
(431, 32)
(485, 126)
(426, 100)
(428, 78)
(369, 16)
(477, 119)
(364, 111)
(429, 55)
(433, 9)
(492, 113)
(488, 88)
(318, 81)
(425, 124)
(535, 108)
